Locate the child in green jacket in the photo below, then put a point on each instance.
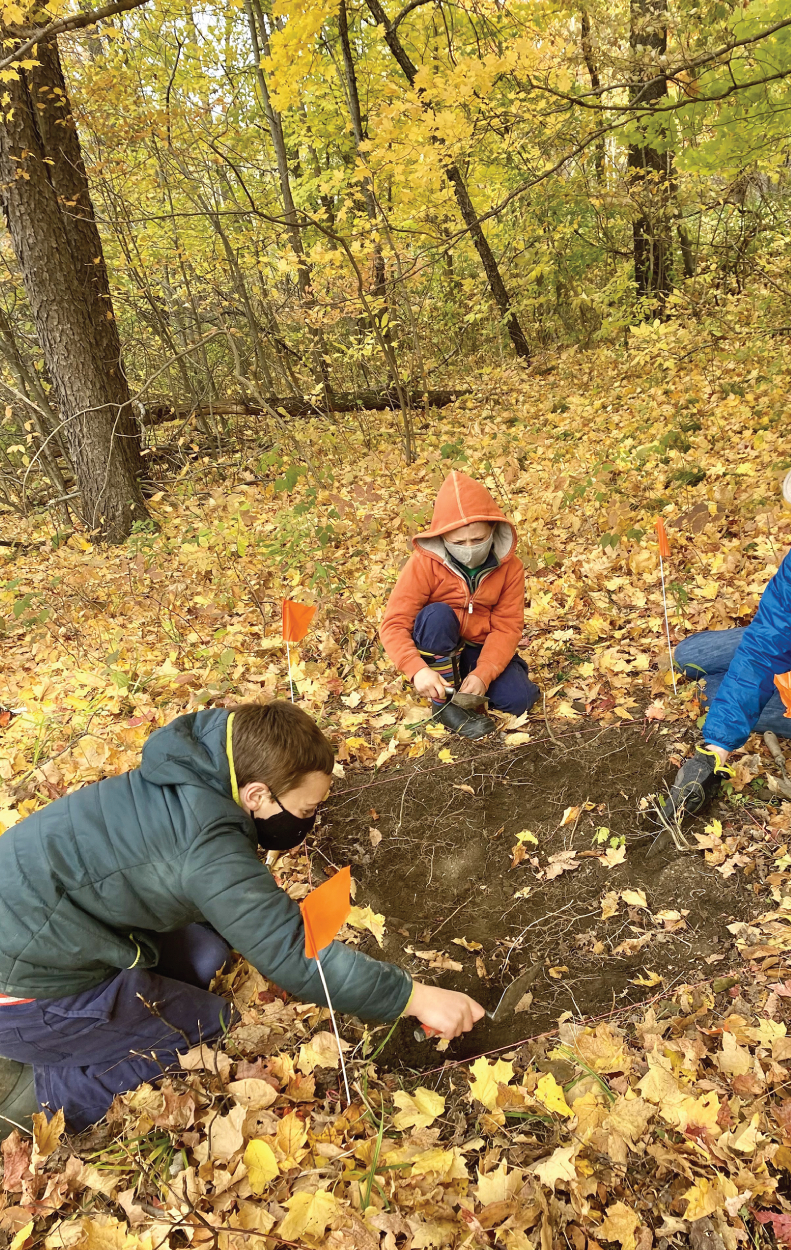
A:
(134, 890)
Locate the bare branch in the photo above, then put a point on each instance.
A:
(75, 22)
(413, 4)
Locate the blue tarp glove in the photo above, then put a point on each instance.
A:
(697, 781)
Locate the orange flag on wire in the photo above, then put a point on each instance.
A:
(664, 545)
(783, 683)
(296, 619)
(325, 910)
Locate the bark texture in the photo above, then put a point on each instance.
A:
(302, 406)
(651, 168)
(50, 217)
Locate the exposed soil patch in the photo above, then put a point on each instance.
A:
(443, 870)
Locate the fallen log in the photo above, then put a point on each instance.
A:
(302, 406)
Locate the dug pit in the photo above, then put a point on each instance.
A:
(432, 848)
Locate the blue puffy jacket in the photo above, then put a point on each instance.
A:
(748, 684)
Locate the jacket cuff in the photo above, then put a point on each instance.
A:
(486, 672)
(413, 666)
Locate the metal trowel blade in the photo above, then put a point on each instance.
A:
(512, 994)
(470, 702)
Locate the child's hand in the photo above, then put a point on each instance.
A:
(472, 685)
(430, 684)
(446, 1012)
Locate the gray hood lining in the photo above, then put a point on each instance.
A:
(502, 546)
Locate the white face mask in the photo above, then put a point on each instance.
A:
(471, 555)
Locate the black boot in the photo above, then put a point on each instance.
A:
(17, 1097)
(460, 721)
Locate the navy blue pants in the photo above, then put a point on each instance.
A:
(708, 655)
(86, 1048)
(437, 630)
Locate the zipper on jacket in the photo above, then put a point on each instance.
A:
(480, 583)
(470, 592)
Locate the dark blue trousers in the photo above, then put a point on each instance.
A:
(437, 630)
(86, 1048)
(708, 655)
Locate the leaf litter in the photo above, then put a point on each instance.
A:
(669, 1115)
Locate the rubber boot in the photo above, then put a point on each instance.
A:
(460, 721)
(17, 1097)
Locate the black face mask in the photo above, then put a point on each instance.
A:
(283, 830)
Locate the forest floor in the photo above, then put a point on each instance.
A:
(640, 1093)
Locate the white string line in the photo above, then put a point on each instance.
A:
(335, 1029)
(667, 624)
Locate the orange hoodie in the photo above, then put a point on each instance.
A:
(492, 616)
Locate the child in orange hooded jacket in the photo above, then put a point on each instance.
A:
(456, 613)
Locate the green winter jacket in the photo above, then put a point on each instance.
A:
(88, 882)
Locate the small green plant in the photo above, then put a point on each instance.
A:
(603, 837)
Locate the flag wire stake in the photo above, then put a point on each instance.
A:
(667, 625)
(288, 659)
(335, 1030)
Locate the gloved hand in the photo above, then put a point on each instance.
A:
(697, 781)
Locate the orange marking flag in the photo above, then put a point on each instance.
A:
(296, 619)
(325, 910)
(783, 683)
(664, 545)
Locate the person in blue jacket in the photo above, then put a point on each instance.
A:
(120, 902)
(739, 667)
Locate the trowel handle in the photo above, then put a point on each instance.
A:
(425, 1031)
(774, 750)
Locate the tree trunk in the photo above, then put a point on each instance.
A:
(50, 217)
(651, 170)
(259, 39)
(593, 73)
(466, 207)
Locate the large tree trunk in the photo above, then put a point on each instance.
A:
(466, 207)
(651, 170)
(50, 217)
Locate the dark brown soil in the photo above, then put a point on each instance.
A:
(443, 870)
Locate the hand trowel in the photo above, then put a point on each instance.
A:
(509, 999)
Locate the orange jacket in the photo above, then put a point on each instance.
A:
(492, 616)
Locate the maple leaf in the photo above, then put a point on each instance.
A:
(614, 856)
(707, 1196)
(418, 1110)
(225, 1133)
(447, 1164)
(366, 918)
(634, 898)
(259, 1159)
(46, 1134)
(16, 1157)
(499, 1184)
(308, 1215)
(320, 1052)
(733, 1059)
(290, 1139)
(487, 1076)
(609, 904)
(253, 1093)
(551, 1095)
(620, 1225)
(559, 1167)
